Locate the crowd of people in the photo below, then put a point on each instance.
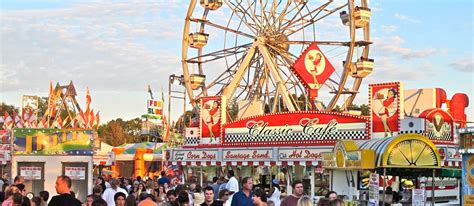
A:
(107, 191)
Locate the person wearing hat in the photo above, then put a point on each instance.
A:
(109, 193)
(275, 192)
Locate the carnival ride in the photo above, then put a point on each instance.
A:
(261, 42)
(59, 110)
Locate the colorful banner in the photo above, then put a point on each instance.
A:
(154, 109)
(212, 114)
(386, 103)
(468, 179)
(53, 141)
(312, 67)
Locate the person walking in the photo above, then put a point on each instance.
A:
(275, 192)
(244, 197)
(109, 193)
(215, 186)
(63, 188)
(292, 200)
(233, 184)
(163, 179)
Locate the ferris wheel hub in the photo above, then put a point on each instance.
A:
(277, 41)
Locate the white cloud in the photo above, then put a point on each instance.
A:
(389, 28)
(465, 64)
(98, 44)
(392, 45)
(406, 18)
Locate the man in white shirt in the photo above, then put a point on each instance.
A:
(232, 185)
(109, 193)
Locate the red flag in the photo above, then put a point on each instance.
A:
(91, 119)
(97, 120)
(7, 124)
(88, 102)
(167, 133)
(80, 120)
(88, 96)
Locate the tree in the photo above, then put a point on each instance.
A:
(364, 109)
(118, 131)
(8, 108)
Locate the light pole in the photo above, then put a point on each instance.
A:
(176, 80)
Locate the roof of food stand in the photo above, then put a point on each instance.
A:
(131, 148)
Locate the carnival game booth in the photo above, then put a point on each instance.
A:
(407, 164)
(41, 155)
(146, 158)
(286, 146)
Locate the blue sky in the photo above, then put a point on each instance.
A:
(117, 48)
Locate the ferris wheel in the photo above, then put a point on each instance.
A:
(245, 51)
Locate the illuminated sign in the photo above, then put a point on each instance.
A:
(305, 127)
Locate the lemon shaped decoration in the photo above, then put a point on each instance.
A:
(340, 158)
(412, 153)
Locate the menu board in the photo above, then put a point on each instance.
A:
(418, 197)
(31, 173)
(75, 173)
(374, 189)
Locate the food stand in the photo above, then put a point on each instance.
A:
(393, 156)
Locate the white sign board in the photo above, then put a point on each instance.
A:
(300, 154)
(75, 173)
(31, 173)
(418, 198)
(194, 155)
(247, 155)
(374, 189)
